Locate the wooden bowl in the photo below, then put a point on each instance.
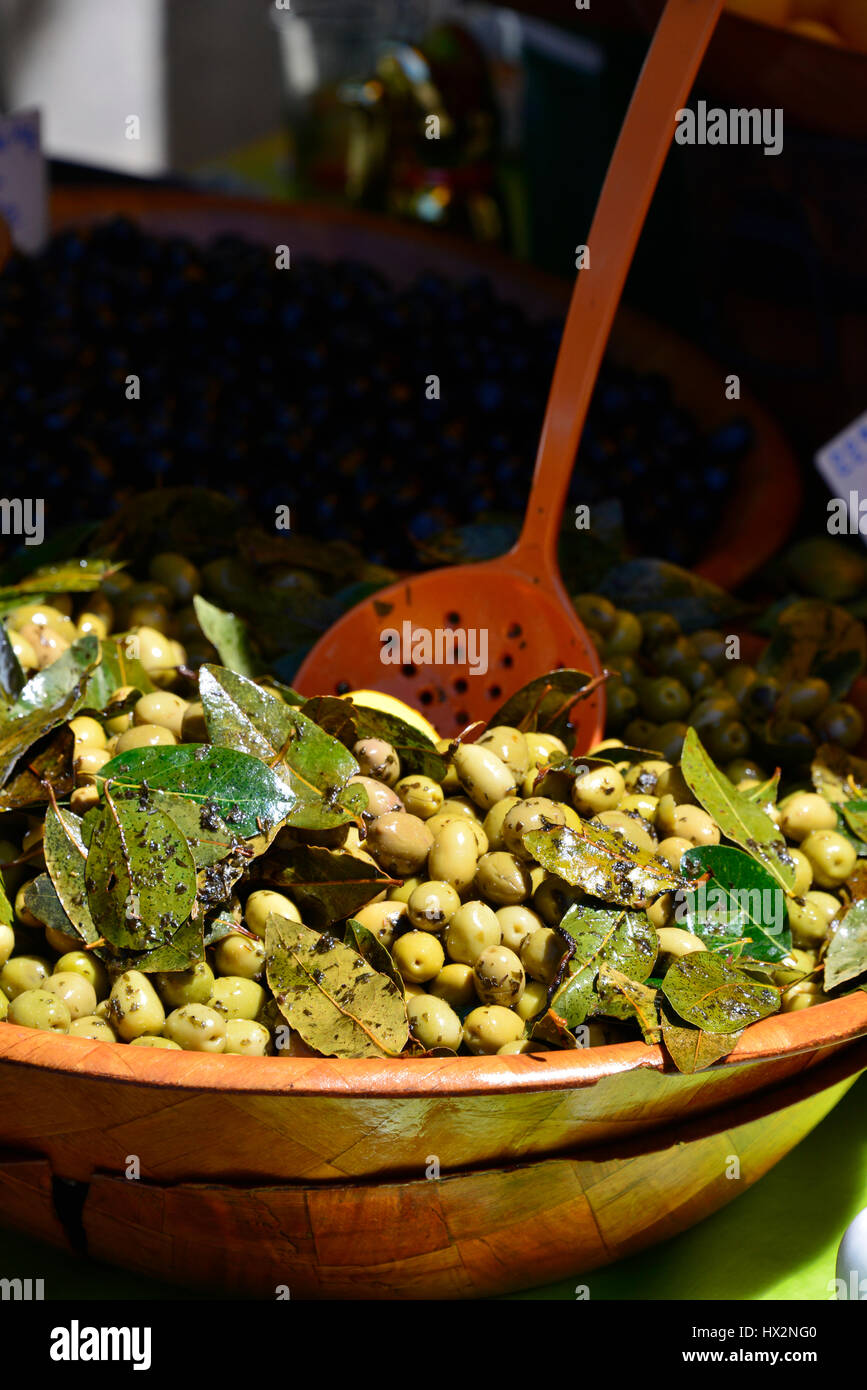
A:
(766, 498)
(415, 1178)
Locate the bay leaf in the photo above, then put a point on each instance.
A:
(837, 775)
(63, 577)
(241, 715)
(41, 898)
(544, 704)
(48, 764)
(362, 939)
(619, 996)
(846, 957)
(49, 698)
(747, 902)
(706, 992)
(184, 950)
(139, 876)
(331, 995)
(694, 1049)
(228, 633)
(815, 638)
(738, 818)
(603, 864)
(335, 715)
(11, 675)
(854, 814)
(765, 793)
(328, 885)
(602, 935)
(65, 860)
(234, 791)
(417, 752)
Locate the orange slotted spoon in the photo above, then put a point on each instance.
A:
(514, 610)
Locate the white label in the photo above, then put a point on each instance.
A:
(843, 465)
(23, 181)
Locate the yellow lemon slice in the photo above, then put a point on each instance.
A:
(390, 704)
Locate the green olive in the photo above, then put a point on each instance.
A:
(671, 782)
(239, 955)
(493, 823)
(473, 928)
(38, 1008)
(672, 849)
(484, 776)
(803, 812)
(22, 973)
(697, 676)
(453, 854)
(533, 1001)
(152, 1040)
(194, 728)
(509, 745)
(674, 943)
(804, 699)
(739, 680)
(796, 966)
(433, 905)
(664, 698)
(761, 696)
(386, 919)
(595, 612)
(84, 963)
(840, 723)
(499, 976)
(600, 789)
(831, 857)
(234, 996)
(257, 909)
(669, 739)
(790, 740)
(78, 994)
(516, 924)
(624, 636)
(418, 956)
(630, 672)
(663, 912)
(400, 843)
(694, 824)
(421, 796)
(729, 741)
(456, 984)
(196, 1028)
(134, 1006)
(23, 915)
(246, 1038)
(502, 878)
(643, 776)
(380, 799)
(541, 747)
(376, 758)
(88, 733)
(632, 829)
(658, 629)
(179, 987)
(177, 573)
(641, 733)
(433, 1022)
(713, 710)
(553, 897)
(487, 1028)
(711, 646)
(92, 1027)
(621, 702)
(811, 917)
(534, 813)
(541, 954)
(803, 873)
(145, 736)
(640, 804)
(7, 944)
(743, 769)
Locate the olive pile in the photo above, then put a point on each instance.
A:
(471, 928)
(668, 681)
(306, 388)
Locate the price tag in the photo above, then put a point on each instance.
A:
(23, 181)
(843, 465)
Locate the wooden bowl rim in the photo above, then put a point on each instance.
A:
(808, 1030)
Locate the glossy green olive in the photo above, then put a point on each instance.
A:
(600, 789)
(761, 696)
(509, 745)
(386, 919)
(7, 943)
(624, 636)
(533, 1001)
(153, 1040)
(694, 824)
(38, 1008)
(840, 723)
(664, 698)
(433, 905)
(671, 782)
(234, 996)
(179, 987)
(669, 739)
(739, 680)
(533, 813)
(484, 777)
(553, 897)
(78, 994)
(163, 708)
(791, 741)
(92, 1027)
(473, 928)
(493, 822)
(196, 1028)
(453, 854)
(502, 878)
(731, 740)
(418, 956)
(658, 629)
(831, 856)
(742, 769)
(804, 699)
(421, 796)
(811, 916)
(643, 776)
(134, 1006)
(711, 646)
(487, 1028)
(179, 575)
(713, 710)
(674, 943)
(803, 873)
(239, 955)
(633, 829)
(456, 984)
(595, 612)
(541, 954)
(380, 799)
(621, 702)
(499, 976)
(803, 812)
(376, 758)
(516, 924)
(433, 1022)
(258, 908)
(672, 849)
(245, 1038)
(21, 973)
(86, 964)
(663, 912)
(400, 843)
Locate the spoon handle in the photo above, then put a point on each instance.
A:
(673, 59)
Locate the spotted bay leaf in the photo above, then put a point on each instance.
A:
(620, 996)
(46, 764)
(854, 816)
(738, 818)
(603, 864)
(693, 1049)
(48, 699)
(543, 704)
(740, 900)
(140, 877)
(65, 577)
(705, 991)
(241, 715)
(327, 885)
(331, 995)
(42, 899)
(235, 793)
(228, 633)
(65, 859)
(602, 935)
(362, 939)
(846, 957)
(184, 949)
